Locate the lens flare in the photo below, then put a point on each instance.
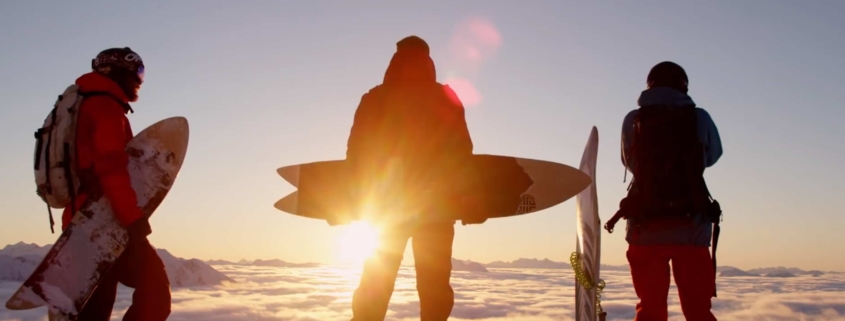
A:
(474, 42)
(465, 90)
(357, 242)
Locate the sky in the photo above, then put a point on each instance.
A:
(276, 83)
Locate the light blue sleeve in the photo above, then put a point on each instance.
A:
(627, 135)
(709, 135)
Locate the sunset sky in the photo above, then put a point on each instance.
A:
(266, 84)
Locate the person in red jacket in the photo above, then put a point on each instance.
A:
(418, 123)
(102, 133)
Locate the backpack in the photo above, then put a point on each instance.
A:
(668, 164)
(55, 152)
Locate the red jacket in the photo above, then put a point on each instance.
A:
(101, 137)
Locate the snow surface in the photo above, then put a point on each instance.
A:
(17, 268)
(324, 293)
(57, 297)
(502, 294)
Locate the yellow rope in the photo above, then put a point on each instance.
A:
(585, 281)
(599, 288)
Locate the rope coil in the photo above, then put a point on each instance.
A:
(585, 281)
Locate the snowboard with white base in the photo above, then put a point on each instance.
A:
(92, 242)
(587, 257)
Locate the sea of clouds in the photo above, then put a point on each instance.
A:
(324, 293)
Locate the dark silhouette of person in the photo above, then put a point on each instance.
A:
(667, 144)
(411, 120)
(103, 130)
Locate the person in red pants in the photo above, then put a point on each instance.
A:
(103, 131)
(412, 118)
(667, 143)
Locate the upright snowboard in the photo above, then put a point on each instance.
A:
(586, 259)
(496, 186)
(94, 239)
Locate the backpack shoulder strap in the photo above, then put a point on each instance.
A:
(125, 106)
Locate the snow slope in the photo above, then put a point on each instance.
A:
(17, 261)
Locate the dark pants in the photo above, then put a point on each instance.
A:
(139, 267)
(694, 276)
(432, 244)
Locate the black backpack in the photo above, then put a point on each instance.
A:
(668, 165)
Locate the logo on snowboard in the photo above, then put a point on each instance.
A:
(526, 205)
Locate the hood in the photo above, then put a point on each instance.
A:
(664, 96)
(410, 63)
(94, 81)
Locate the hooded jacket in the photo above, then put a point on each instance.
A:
(699, 232)
(101, 137)
(411, 117)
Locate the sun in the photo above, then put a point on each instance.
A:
(357, 242)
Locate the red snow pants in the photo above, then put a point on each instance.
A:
(139, 267)
(692, 269)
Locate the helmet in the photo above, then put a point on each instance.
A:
(668, 74)
(121, 59)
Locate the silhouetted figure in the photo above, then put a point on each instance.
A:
(414, 119)
(667, 143)
(102, 133)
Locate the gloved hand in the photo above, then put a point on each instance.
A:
(139, 229)
(337, 221)
(473, 221)
(472, 210)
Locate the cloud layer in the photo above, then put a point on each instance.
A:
(312, 294)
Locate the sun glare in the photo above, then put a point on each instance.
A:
(357, 242)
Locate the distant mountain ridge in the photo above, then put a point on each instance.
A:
(24, 249)
(272, 263)
(17, 261)
(30, 254)
(528, 264)
(735, 273)
(190, 272)
(525, 263)
(467, 265)
(783, 270)
(775, 272)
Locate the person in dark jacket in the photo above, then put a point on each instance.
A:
(653, 244)
(103, 131)
(418, 123)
